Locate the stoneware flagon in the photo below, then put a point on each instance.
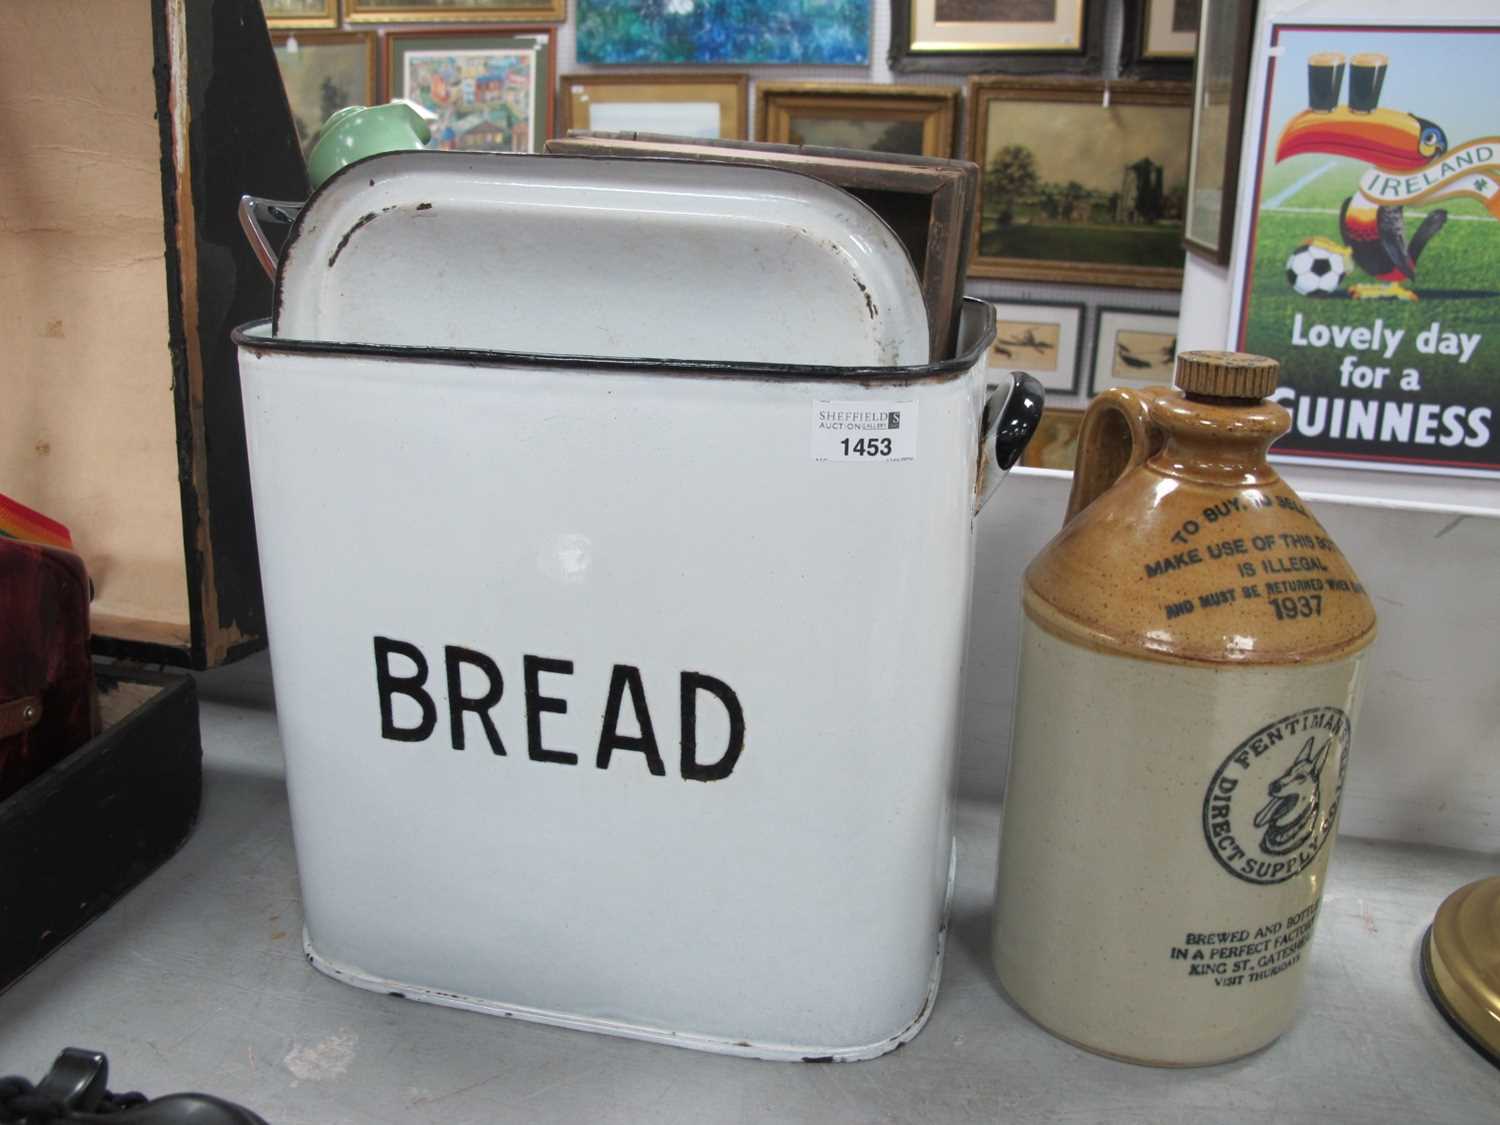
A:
(623, 694)
(1192, 656)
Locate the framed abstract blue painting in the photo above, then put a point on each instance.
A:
(831, 32)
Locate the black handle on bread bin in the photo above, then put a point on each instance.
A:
(1018, 419)
(1011, 415)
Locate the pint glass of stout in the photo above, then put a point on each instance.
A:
(1366, 77)
(1325, 80)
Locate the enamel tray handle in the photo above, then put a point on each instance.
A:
(1117, 435)
(1011, 415)
(266, 223)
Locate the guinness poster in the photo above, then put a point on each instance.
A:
(1373, 266)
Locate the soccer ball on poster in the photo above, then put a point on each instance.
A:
(1317, 267)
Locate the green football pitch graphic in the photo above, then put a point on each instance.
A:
(1457, 280)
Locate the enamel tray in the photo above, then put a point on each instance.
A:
(667, 260)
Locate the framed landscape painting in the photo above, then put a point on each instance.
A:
(981, 36)
(490, 90)
(300, 13)
(453, 11)
(1073, 190)
(915, 120)
(649, 32)
(1042, 338)
(1133, 348)
(327, 71)
(702, 106)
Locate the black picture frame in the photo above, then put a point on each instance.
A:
(1087, 60)
(1075, 383)
(1097, 383)
(1243, 31)
(1133, 61)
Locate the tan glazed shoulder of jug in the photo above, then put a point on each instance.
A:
(1192, 655)
(1176, 518)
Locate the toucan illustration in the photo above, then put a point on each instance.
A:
(1390, 141)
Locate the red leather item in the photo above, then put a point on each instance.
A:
(47, 706)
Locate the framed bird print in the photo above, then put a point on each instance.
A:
(1370, 266)
(1043, 339)
(1133, 348)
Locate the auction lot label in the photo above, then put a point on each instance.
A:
(1373, 269)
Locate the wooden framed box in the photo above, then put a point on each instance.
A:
(122, 272)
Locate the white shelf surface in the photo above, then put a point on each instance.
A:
(196, 980)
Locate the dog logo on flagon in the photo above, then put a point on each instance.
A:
(1271, 805)
(1291, 809)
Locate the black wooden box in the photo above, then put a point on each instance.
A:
(83, 833)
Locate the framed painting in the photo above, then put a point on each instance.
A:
(1043, 339)
(1076, 187)
(915, 120)
(1055, 443)
(984, 36)
(744, 32)
(1221, 77)
(1169, 28)
(701, 106)
(454, 11)
(1159, 39)
(300, 13)
(324, 71)
(1133, 348)
(490, 89)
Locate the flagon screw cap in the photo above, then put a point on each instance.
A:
(1227, 374)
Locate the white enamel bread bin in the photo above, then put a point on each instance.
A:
(624, 694)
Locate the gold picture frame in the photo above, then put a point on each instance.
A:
(290, 15)
(673, 103)
(455, 11)
(997, 36)
(327, 77)
(1078, 188)
(913, 120)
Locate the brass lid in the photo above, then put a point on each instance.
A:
(1227, 374)
(1461, 963)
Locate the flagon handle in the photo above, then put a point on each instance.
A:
(1117, 435)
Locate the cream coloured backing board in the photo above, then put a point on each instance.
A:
(88, 433)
